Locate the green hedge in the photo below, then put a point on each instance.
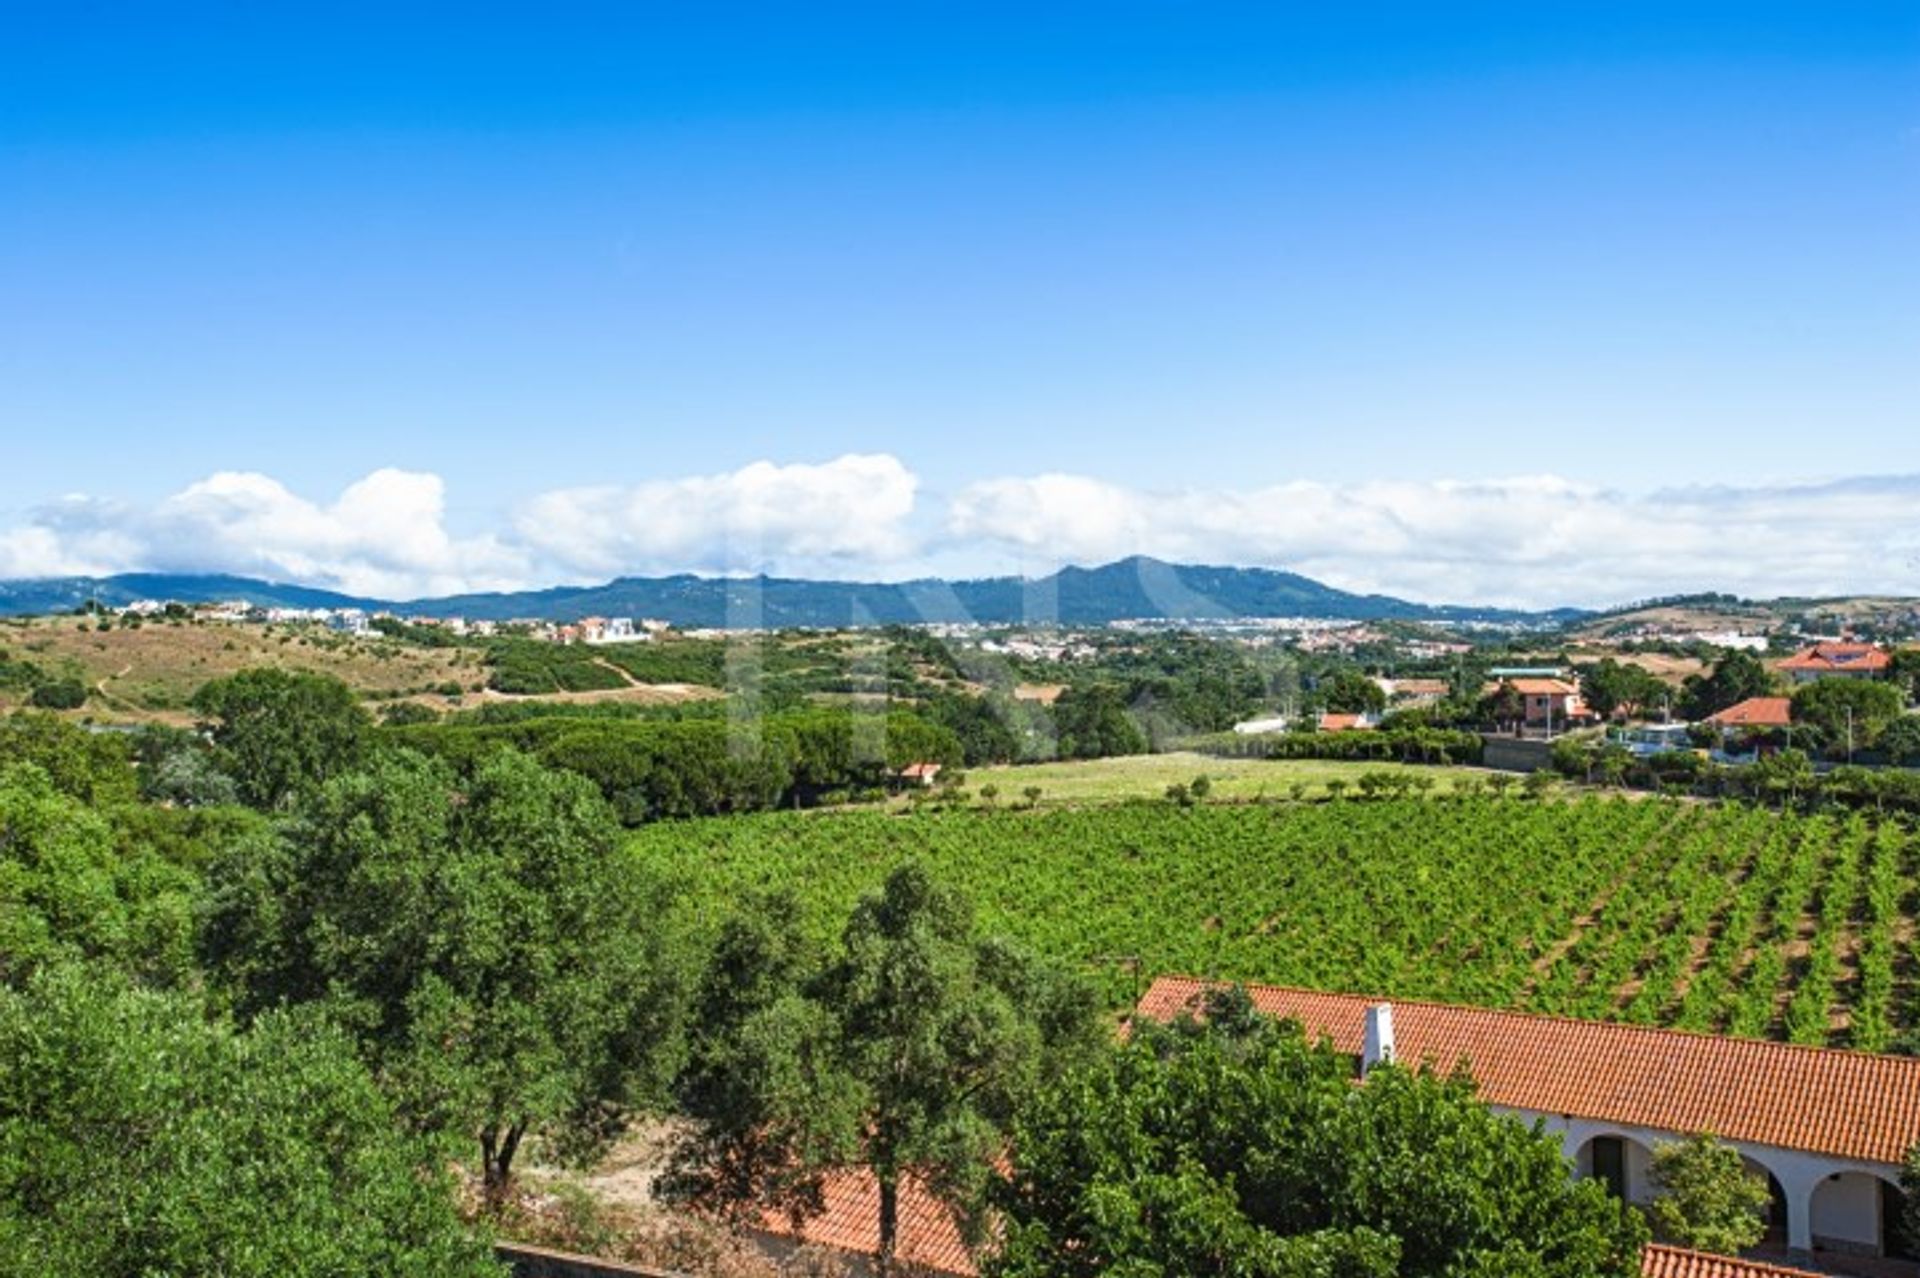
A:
(1421, 745)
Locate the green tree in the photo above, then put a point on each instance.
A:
(1843, 709)
(60, 694)
(1706, 1198)
(1736, 677)
(1093, 723)
(1901, 739)
(1906, 672)
(1241, 1148)
(1610, 685)
(1350, 692)
(903, 1057)
(499, 957)
(92, 767)
(278, 733)
(137, 1138)
(68, 891)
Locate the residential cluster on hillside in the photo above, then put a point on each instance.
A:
(361, 621)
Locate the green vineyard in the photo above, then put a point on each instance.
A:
(1725, 918)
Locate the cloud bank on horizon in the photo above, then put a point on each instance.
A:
(1526, 541)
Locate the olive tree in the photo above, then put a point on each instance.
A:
(501, 960)
(903, 1056)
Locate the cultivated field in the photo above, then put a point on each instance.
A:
(1707, 917)
(1147, 776)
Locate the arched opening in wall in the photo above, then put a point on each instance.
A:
(1776, 1234)
(1858, 1214)
(1620, 1162)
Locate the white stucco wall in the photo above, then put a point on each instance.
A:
(1831, 1202)
(1846, 1211)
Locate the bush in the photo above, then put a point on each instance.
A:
(60, 694)
(1707, 1198)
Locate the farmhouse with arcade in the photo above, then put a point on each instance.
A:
(1828, 1128)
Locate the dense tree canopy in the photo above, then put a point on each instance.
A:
(1842, 710)
(93, 767)
(139, 1138)
(1733, 679)
(1092, 723)
(903, 1056)
(278, 733)
(69, 890)
(500, 958)
(1242, 1149)
(1350, 692)
(1609, 685)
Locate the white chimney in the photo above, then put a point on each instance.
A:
(1377, 1046)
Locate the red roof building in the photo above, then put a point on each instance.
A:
(1755, 712)
(1837, 660)
(1828, 1128)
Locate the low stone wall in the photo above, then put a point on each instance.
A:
(1515, 754)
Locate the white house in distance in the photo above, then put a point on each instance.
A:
(1828, 1129)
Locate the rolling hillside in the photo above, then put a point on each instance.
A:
(1137, 588)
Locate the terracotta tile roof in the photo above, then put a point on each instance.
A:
(929, 1235)
(1677, 1262)
(1843, 1104)
(920, 771)
(1542, 687)
(1838, 656)
(929, 1239)
(1756, 712)
(1339, 722)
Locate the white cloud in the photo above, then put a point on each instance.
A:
(849, 514)
(384, 535)
(1534, 540)
(1528, 541)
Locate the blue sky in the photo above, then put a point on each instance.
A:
(617, 290)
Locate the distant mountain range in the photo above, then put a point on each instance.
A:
(1131, 589)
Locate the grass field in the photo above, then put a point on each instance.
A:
(1723, 918)
(1147, 776)
(150, 674)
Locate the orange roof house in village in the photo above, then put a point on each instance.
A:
(1547, 701)
(1755, 712)
(1837, 660)
(1827, 1128)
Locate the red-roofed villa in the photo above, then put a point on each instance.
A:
(1837, 660)
(1829, 1129)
